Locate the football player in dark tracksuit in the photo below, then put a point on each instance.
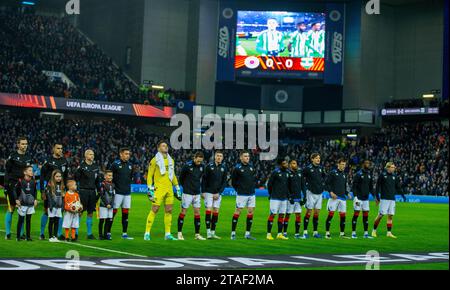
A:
(278, 187)
(314, 176)
(123, 173)
(56, 161)
(15, 164)
(244, 183)
(297, 197)
(191, 180)
(25, 193)
(337, 187)
(388, 185)
(88, 178)
(362, 187)
(213, 184)
(106, 194)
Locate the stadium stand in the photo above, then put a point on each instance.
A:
(420, 149)
(32, 44)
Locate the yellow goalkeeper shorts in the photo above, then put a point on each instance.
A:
(163, 197)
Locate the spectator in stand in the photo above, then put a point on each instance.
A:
(33, 43)
(419, 149)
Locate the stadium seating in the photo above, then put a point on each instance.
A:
(31, 44)
(420, 150)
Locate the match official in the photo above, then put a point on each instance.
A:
(14, 168)
(88, 178)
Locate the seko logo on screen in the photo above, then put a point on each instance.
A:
(224, 41)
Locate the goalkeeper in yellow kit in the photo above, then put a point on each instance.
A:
(160, 180)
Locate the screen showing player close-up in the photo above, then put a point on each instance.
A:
(274, 43)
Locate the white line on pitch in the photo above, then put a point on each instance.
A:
(102, 249)
(97, 248)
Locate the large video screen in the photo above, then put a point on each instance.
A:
(280, 44)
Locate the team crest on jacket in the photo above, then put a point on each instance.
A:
(129, 167)
(201, 168)
(251, 169)
(221, 169)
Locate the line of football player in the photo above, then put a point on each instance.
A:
(289, 190)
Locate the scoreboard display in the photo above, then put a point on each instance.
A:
(276, 66)
(280, 44)
(301, 41)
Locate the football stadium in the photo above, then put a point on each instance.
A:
(224, 135)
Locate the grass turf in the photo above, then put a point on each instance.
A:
(419, 227)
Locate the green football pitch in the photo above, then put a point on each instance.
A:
(419, 228)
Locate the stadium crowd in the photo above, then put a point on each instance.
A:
(420, 150)
(31, 44)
